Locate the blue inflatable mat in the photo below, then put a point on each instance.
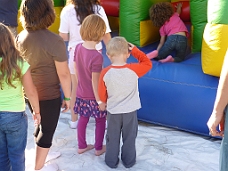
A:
(177, 95)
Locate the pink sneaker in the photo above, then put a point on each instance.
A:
(152, 54)
(168, 59)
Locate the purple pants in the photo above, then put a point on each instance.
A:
(99, 132)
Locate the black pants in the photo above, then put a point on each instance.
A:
(49, 111)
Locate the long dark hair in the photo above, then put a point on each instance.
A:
(84, 8)
(37, 14)
(9, 69)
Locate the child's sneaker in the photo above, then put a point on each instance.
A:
(73, 125)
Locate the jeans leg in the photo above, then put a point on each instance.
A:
(181, 47)
(99, 132)
(223, 160)
(82, 123)
(166, 49)
(15, 130)
(4, 158)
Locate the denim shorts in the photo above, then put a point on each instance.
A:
(13, 139)
(174, 44)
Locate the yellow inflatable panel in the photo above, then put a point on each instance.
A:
(148, 33)
(214, 47)
(54, 27)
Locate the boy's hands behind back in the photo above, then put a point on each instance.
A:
(102, 106)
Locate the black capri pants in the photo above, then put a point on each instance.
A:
(49, 111)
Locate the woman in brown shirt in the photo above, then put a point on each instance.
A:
(46, 53)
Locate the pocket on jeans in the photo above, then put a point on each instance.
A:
(18, 124)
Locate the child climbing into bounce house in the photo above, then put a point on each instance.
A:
(173, 33)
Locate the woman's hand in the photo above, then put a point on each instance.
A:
(213, 122)
(65, 105)
(36, 118)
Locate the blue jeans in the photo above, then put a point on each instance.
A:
(177, 43)
(223, 159)
(13, 139)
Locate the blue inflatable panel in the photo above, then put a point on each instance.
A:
(177, 95)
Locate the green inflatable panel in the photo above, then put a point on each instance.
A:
(57, 3)
(217, 11)
(197, 37)
(19, 3)
(131, 13)
(198, 13)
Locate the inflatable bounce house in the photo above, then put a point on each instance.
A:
(177, 95)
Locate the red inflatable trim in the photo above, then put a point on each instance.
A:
(185, 10)
(111, 7)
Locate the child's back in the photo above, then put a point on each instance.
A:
(122, 84)
(118, 86)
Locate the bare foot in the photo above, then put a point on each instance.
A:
(100, 152)
(89, 147)
(168, 59)
(152, 54)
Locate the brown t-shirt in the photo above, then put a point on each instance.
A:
(41, 48)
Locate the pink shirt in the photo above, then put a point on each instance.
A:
(174, 25)
(87, 61)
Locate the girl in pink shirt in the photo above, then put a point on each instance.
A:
(173, 33)
(88, 65)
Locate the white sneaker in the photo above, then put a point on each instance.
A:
(49, 167)
(52, 155)
(73, 125)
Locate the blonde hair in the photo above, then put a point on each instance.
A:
(37, 14)
(93, 28)
(9, 68)
(117, 46)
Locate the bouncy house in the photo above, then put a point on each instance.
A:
(177, 95)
